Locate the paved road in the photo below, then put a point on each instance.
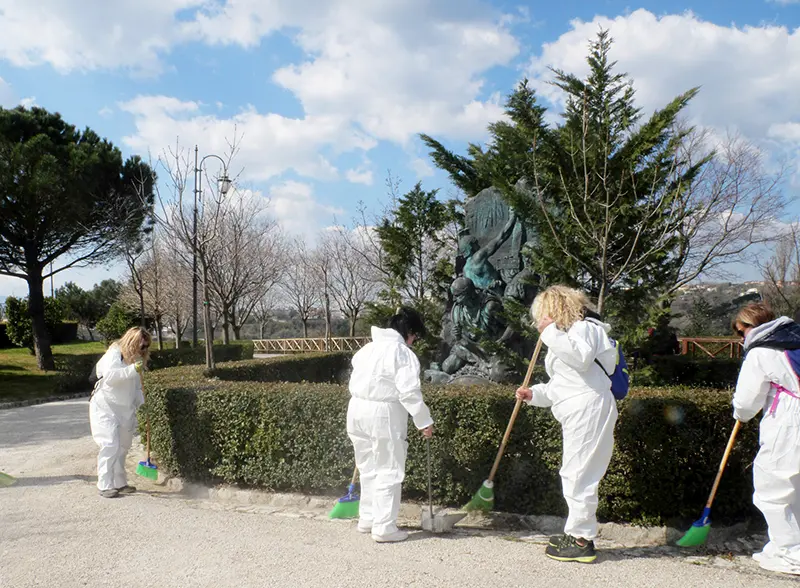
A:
(56, 532)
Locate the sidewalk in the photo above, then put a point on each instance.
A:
(57, 532)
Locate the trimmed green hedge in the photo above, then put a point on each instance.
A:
(291, 437)
(681, 370)
(329, 368)
(76, 368)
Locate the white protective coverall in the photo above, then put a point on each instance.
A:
(112, 416)
(579, 394)
(384, 389)
(776, 470)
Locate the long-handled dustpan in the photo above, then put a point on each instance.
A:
(484, 497)
(437, 522)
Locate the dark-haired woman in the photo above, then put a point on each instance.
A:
(384, 390)
(769, 382)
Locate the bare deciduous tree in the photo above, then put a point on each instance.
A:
(298, 283)
(736, 204)
(175, 215)
(247, 261)
(782, 274)
(352, 280)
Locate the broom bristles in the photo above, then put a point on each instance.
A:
(6, 480)
(147, 470)
(483, 499)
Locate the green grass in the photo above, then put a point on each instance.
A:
(21, 380)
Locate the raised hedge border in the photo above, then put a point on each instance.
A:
(290, 436)
(76, 368)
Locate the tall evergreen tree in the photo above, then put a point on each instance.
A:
(606, 192)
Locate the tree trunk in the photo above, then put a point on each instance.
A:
(41, 338)
(261, 330)
(141, 305)
(237, 329)
(327, 322)
(305, 328)
(353, 319)
(91, 335)
(209, 332)
(159, 336)
(226, 338)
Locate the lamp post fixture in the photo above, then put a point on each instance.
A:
(224, 186)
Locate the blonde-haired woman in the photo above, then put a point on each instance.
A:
(112, 408)
(579, 394)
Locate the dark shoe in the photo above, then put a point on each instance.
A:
(568, 548)
(110, 493)
(555, 540)
(127, 490)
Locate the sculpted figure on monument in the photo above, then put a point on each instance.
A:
(477, 265)
(474, 313)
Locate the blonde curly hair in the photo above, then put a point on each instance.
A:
(135, 345)
(564, 305)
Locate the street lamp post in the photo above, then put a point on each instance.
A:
(224, 186)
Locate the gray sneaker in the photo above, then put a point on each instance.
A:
(127, 490)
(110, 493)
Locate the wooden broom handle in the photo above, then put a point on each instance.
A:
(516, 410)
(722, 464)
(355, 474)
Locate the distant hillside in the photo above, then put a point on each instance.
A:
(709, 307)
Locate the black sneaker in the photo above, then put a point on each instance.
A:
(568, 548)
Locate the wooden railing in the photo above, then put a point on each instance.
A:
(310, 345)
(713, 347)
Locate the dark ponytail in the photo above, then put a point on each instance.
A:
(407, 321)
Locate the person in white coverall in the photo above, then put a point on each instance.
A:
(579, 394)
(112, 408)
(385, 390)
(767, 382)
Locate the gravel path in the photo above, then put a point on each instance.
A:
(56, 532)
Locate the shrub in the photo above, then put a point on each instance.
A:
(317, 367)
(19, 327)
(680, 370)
(118, 319)
(76, 368)
(291, 437)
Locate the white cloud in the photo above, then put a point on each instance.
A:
(106, 112)
(270, 143)
(421, 167)
(293, 205)
(8, 97)
(359, 176)
(97, 34)
(748, 76)
(28, 102)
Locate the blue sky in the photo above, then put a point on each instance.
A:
(329, 95)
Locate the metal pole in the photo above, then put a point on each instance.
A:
(194, 254)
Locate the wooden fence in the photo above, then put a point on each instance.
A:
(310, 345)
(699, 347)
(713, 347)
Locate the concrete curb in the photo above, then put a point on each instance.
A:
(734, 539)
(35, 401)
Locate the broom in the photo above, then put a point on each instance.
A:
(698, 532)
(347, 506)
(484, 497)
(6, 480)
(146, 468)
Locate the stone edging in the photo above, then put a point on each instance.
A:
(34, 401)
(736, 537)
